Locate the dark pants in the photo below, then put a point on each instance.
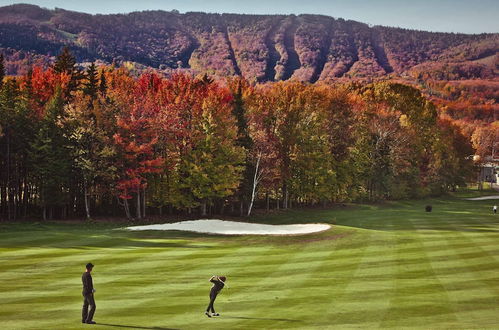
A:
(213, 296)
(88, 300)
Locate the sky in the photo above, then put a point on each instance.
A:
(464, 16)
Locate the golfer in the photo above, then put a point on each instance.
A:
(88, 296)
(218, 284)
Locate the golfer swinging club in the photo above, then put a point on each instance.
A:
(88, 296)
(218, 284)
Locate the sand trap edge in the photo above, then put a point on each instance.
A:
(234, 228)
(483, 198)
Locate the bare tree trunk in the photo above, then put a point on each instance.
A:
(256, 178)
(480, 183)
(286, 199)
(139, 213)
(3, 198)
(87, 206)
(203, 208)
(19, 195)
(268, 201)
(9, 196)
(25, 199)
(144, 202)
(369, 190)
(127, 209)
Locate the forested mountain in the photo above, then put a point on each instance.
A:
(259, 47)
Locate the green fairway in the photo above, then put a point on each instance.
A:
(380, 266)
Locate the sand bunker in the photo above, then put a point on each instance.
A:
(483, 198)
(236, 228)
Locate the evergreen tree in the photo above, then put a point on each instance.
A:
(9, 98)
(239, 112)
(90, 85)
(18, 124)
(103, 83)
(51, 159)
(244, 141)
(29, 84)
(66, 64)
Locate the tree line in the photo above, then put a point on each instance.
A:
(100, 142)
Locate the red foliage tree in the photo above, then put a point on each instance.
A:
(136, 139)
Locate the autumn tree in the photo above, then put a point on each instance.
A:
(416, 118)
(485, 141)
(41, 85)
(210, 167)
(452, 163)
(91, 147)
(264, 151)
(65, 64)
(135, 141)
(185, 143)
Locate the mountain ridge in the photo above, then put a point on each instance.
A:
(259, 47)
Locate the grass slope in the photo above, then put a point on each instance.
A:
(379, 267)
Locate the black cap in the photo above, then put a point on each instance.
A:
(89, 266)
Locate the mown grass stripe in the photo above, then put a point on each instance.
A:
(381, 266)
(270, 292)
(183, 292)
(461, 274)
(417, 284)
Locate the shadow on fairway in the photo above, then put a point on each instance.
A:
(82, 244)
(135, 327)
(259, 318)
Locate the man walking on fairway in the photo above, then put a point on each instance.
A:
(218, 284)
(88, 296)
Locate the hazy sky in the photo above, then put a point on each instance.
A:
(468, 16)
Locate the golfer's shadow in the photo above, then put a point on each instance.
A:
(135, 327)
(259, 318)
